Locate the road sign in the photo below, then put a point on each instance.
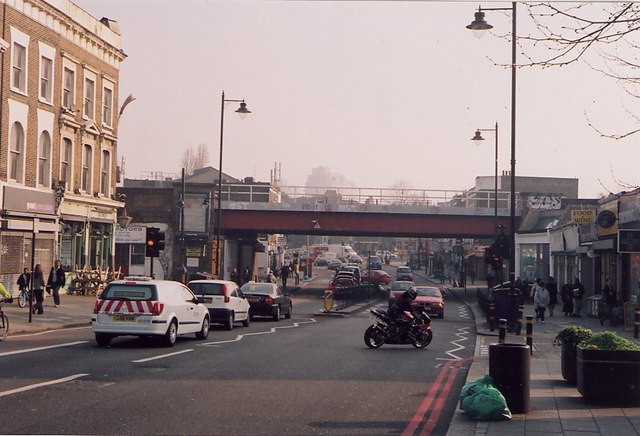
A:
(328, 300)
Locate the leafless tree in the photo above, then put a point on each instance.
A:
(195, 159)
(569, 32)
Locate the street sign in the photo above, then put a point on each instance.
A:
(328, 300)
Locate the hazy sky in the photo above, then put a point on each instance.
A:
(381, 92)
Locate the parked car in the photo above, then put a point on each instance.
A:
(404, 273)
(375, 262)
(431, 299)
(267, 299)
(335, 265)
(224, 300)
(159, 308)
(321, 261)
(377, 275)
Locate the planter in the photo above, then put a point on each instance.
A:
(568, 362)
(609, 376)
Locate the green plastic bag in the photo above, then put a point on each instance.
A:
(481, 400)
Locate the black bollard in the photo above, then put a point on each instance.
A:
(520, 315)
(492, 317)
(530, 333)
(502, 332)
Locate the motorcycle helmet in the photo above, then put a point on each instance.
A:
(413, 293)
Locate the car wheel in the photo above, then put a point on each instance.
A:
(276, 314)
(288, 314)
(204, 331)
(103, 339)
(246, 321)
(228, 323)
(170, 337)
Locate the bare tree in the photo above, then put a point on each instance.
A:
(569, 32)
(195, 159)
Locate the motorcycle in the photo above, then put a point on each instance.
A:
(386, 330)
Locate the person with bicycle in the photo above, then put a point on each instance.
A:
(24, 280)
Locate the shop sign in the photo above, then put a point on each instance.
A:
(130, 235)
(629, 241)
(194, 251)
(29, 201)
(583, 216)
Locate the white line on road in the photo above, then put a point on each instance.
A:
(23, 335)
(39, 385)
(271, 330)
(49, 347)
(162, 356)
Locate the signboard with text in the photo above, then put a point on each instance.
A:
(131, 235)
(583, 216)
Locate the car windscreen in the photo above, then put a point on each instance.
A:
(257, 288)
(429, 292)
(130, 292)
(207, 288)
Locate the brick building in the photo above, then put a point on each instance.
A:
(59, 75)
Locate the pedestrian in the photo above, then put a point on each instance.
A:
(552, 287)
(541, 301)
(56, 281)
(24, 280)
(270, 277)
(534, 289)
(284, 275)
(38, 289)
(246, 275)
(578, 293)
(234, 276)
(567, 299)
(609, 294)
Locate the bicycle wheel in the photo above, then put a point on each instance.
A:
(22, 299)
(4, 326)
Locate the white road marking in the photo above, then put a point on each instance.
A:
(463, 333)
(24, 335)
(268, 332)
(162, 356)
(49, 347)
(39, 385)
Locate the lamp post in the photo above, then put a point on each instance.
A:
(479, 25)
(478, 140)
(243, 112)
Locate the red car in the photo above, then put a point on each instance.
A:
(431, 299)
(377, 275)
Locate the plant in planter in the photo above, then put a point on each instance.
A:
(608, 369)
(568, 338)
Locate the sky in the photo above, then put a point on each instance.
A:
(384, 93)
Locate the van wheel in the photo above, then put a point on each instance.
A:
(170, 337)
(246, 321)
(103, 339)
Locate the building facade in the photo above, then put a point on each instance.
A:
(59, 76)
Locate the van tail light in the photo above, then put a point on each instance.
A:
(96, 307)
(157, 308)
(268, 300)
(226, 294)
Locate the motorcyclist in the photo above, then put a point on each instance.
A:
(404, 303)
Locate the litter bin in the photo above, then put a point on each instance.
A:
(595, 306)
(509, 365)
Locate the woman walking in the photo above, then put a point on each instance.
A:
(541, 301)
(38, 289)
(56, 281)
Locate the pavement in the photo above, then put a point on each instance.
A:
(556, 407)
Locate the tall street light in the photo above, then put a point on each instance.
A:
(243, 112)
(479, 25)
(477, 138)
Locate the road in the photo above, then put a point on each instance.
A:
(308, 375)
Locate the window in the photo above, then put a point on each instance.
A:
(107, 106)
(105, 173)
(65, 162)
(138, 255)
(44, 160)
(68, 88)
(46, 82)
(86, 168)
(16, 153)
(89, 97)
(19, 67)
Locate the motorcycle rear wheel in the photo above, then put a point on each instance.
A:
(422, 339)
(373, 337)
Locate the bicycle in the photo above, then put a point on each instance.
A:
(23, 298)
(4, 322)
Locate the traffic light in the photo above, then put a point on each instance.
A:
(160, 244)
(152, 242)
(493, 256)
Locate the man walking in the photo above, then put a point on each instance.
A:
(284, 275)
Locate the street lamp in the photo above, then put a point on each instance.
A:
(478, 26)
(478, 140)
(243, 112)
